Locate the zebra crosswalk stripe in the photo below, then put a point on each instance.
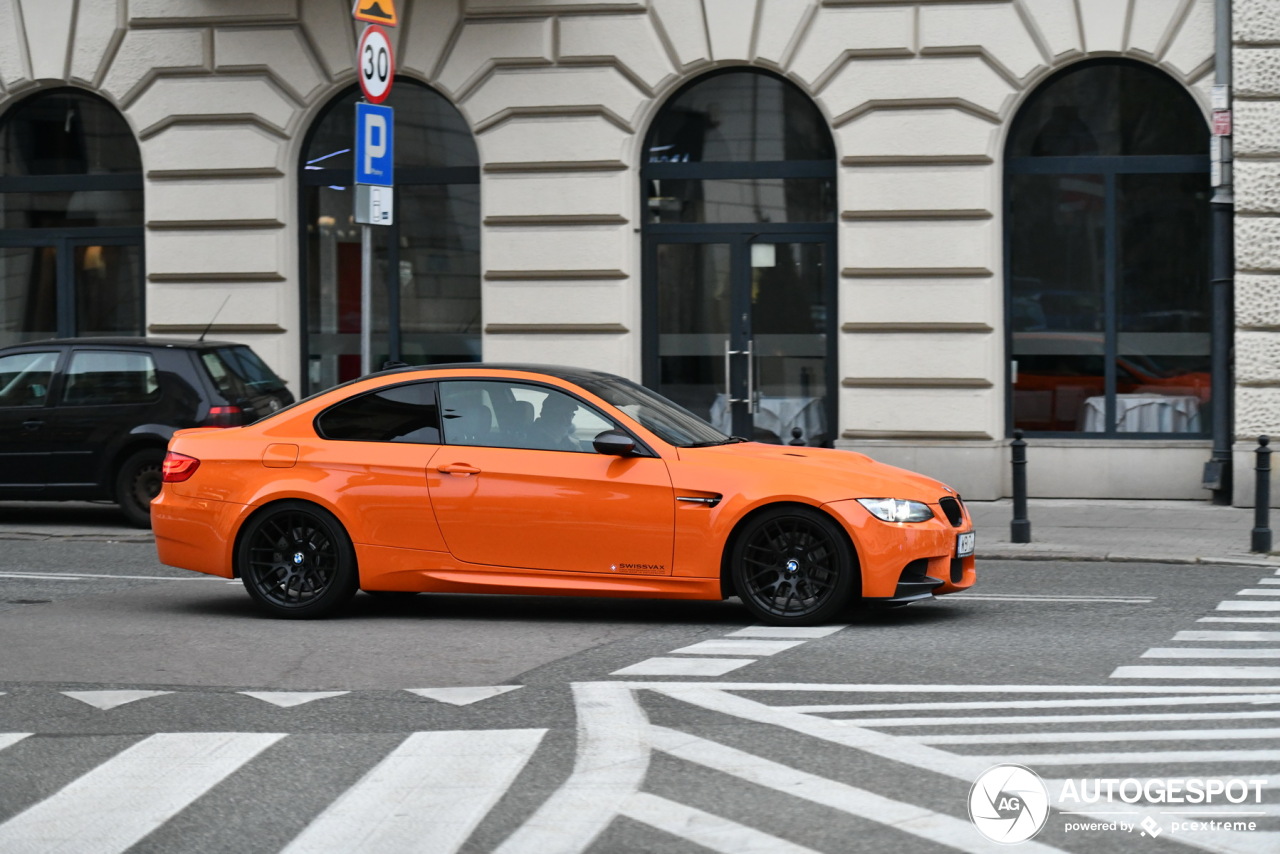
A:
(127, 797)
(426, 796)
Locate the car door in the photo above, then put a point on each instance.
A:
(517, 484)
(25, 383)
(376, 447)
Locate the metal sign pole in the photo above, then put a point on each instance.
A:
(366, 299)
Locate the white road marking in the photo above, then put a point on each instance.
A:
(1209, 652)
(289, 699)
(729, 646)
(428, 795)
(1269, 580)
(610, 764)
(1255, 620)
(1036, 704)
(908, 818)
(1248, 606)
(119, 802)
(870, 688)
(1088, 737)
(1122, 758)
(684, 666)
(1227, 636)
(1085, 600)
(1004, 720)
(798, 632)
(463, 696)
(1258, 591)
(84, 576)
(110, 699)
(1225, 671)
(702, 828)
(8, 739)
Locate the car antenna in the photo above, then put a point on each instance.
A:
(212, 319)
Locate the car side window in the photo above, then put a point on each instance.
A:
(402, 413)
(108, 377)
(499, 414)
(25, 378)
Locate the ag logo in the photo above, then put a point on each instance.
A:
(1008, 803)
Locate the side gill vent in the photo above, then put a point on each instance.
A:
(951, 507)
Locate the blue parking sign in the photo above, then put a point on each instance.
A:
(375, 144)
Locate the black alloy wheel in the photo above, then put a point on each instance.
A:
(138, 480)
(792, 566)
(297, 561)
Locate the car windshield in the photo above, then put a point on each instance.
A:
(244, 365)
(673, 424)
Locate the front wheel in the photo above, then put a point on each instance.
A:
(792, 566)
(297, 561)
(138, 480)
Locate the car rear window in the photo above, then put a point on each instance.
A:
(235, 369)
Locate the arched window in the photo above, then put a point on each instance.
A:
(1107, 255)
(739, 220)
(426, 294)
(71, 228)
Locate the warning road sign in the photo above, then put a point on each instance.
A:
(376, 12)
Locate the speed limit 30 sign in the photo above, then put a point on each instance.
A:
(375, 64)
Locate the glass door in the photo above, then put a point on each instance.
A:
(740, 332)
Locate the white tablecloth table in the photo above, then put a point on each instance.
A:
(1144, 413)
(778, 415)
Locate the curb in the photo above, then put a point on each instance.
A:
(1265, 561)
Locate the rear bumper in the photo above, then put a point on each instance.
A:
(195, 533)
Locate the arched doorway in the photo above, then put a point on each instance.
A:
(71, 219)
(1107, 256)
(739, 257)
(426, 294)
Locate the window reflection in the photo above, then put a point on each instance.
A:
(1108, 256)
(426, 294)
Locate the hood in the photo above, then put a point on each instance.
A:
(823, 474)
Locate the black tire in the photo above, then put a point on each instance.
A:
(792, 566)
(297, 561)
(138, 480)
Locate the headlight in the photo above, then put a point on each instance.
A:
(896, 509)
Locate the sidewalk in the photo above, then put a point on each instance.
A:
(1061, 529)
(1148, 531)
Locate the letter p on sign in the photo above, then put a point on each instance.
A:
(375, 144)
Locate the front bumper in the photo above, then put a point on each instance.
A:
(904, 562)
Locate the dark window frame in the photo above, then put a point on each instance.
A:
(65, 240)
(310, 177)
(1110, 167)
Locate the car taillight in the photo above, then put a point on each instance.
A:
(178, 467)
(224, 416)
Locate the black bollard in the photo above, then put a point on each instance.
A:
(1261, 540)
(1020, 527)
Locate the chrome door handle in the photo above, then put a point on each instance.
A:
(32, 426)
(750, 399)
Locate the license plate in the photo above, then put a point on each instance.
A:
(964, 544)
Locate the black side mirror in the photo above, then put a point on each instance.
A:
(614, 443)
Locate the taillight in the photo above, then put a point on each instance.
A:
(178, 467)
(224, 416)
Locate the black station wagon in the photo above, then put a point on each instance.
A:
(89, 418)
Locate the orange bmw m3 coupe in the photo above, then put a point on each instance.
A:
(525, 479)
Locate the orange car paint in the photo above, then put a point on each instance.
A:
(464, 519)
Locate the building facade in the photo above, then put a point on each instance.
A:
(902, 228)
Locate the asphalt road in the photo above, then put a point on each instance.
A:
(154, 710)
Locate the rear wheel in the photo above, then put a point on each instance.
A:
(138, 480)
(297, 561)
(792, 566)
